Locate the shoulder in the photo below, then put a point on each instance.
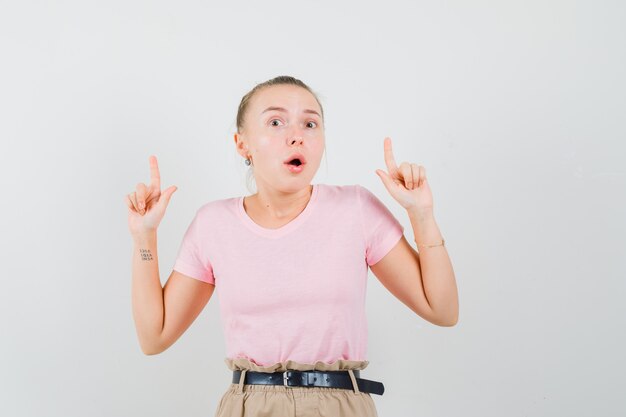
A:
(214, 208)
(334, 198)
(333, 191)
(351, 194)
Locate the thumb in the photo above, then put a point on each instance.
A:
(167, 194)
(386, 179)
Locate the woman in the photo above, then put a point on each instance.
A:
(290, 264)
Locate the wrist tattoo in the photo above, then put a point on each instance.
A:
(145, 254)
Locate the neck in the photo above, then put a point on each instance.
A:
(280, 205)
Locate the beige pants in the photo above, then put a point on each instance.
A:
(247, 400)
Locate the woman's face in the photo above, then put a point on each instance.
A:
(280, 121)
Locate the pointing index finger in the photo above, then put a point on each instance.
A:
(389, 159)
(155, 177)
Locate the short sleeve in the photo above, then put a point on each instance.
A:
(381, 229)
(191, 260)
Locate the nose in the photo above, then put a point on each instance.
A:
(295, 136)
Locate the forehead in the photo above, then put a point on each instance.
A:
(291, 97)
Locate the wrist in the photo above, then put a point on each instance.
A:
(145, 237)
(421, 214)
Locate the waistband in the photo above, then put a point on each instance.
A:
(239, 364)
(342, 373)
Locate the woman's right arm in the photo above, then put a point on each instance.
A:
(161, 314)
(147, 293)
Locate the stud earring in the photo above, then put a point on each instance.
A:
(247, 161)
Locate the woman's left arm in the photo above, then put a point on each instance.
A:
(424, 281)
(435, 267)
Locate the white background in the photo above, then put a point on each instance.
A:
(515, 109)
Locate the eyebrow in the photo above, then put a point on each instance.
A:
(285, 110)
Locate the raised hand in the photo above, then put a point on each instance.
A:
(146, 205)
(407, 184)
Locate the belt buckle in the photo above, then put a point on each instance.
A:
(285, 378)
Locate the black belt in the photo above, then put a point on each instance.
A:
(293, 378)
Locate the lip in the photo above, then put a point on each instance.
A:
(294, 156)
(295, 169)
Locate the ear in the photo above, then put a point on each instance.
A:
(240, 145)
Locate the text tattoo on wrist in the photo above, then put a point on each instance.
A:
(145, 254)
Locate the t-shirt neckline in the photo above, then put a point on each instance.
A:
(284, 229)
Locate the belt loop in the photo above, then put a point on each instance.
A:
(242, 378)
(354, 383)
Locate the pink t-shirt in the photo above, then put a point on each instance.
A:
(296, 292)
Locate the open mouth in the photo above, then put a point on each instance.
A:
(295, 165)
(295, 162)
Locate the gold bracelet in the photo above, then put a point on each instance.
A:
(432, 246)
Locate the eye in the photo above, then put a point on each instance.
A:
(274, 120)
(313, 123)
